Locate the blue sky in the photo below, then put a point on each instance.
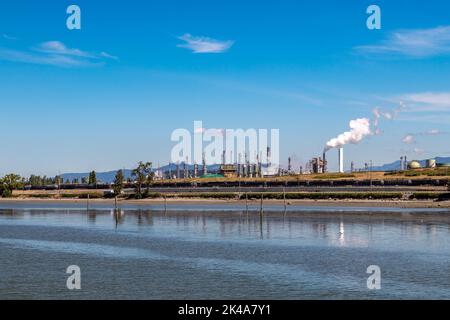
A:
(110, 94)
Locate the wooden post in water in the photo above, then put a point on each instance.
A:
(115, 202)
(284, 198)
(261, 207)
(87, 202)
(246, 201)
(165, 204)
(261, 216)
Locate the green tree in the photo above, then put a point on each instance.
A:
(141, 174)
(92, 178)
(118, 182)
(35, 181)
(58, 180)
(9, 183)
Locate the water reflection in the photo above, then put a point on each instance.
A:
(226, 254)
(341, 233)
(294, 227)
(324, 226)
(91, 215)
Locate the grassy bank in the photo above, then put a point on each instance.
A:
(252, 195)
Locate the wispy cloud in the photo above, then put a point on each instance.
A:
(408, 139)
(43, 59)
(57, 47)
(55, 53)
(424, 107)
(204, 44)
(8, 37)
(411, 137)
(108, 56)
(427, 101)
(428, 118)
(415, 43)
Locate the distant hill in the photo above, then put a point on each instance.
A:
(396, 164)
(108, 176)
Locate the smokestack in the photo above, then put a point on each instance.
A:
(204, 168)
(341, 160)
(195, 170)
(324, 165)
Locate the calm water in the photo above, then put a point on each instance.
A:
(221, 252)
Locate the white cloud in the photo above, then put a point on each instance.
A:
(434, 132)
(411, 137)
(408, 139)
(427, 101)
(55, 53)
(424, 107)
(58, 47)
(107, 55)
(416, 43)
(33, 58)
(204, 44)
(419, 151)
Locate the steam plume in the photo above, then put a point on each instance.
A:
(359, 128)
(388, 115)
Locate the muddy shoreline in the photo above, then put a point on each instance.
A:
(268, 202)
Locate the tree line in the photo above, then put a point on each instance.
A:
(142, 174)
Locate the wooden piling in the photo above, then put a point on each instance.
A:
(261, 207)
(246, 202)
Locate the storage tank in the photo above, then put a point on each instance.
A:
(414, 165)
(431, 163)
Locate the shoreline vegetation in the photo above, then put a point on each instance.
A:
(391, 189)
(377, 198)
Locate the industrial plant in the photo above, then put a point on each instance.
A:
(258, 169)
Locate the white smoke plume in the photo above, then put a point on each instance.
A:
(388, 115)
(359, 129)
